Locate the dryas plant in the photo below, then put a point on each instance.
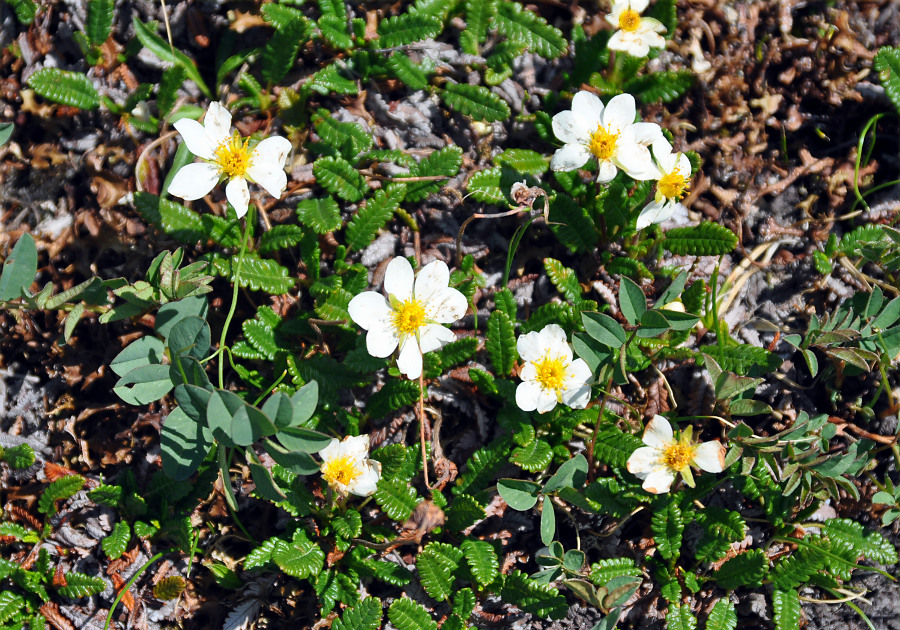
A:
(276, 402)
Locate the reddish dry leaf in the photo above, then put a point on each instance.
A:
(59, 577)
(118, 584)
(51, 612)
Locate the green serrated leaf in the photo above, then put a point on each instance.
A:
(706, 239)
(668, 526)
(65, 87)
(349, 139)
(484, 186)
(363, 227)
(538, 599)
(500, 341)
(339, 177)
(280, 237)
(397, 498)
(365, 615)
(436, 565)
(62, 488)
(476, 101)
(280, 51)
(887, 64)
(603, 571)
(160, 47)
(482, 559)
(334, 29)
(79, 585)
(116, 543)
(408, 28)
(323, 215)
(529, 29)
(534, 457)
(744, 569)
(680, 617)
(406, 614)
(572, 225)
(393, 395)
(443, 163)
(99, 20)
(564, 279)
(300, 558)
(786, 606)
(722, 616)
(664, 85)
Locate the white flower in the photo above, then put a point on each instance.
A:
(674, 174)
(412, 315)
(549, 375)
(606, 133)
(347, 468)
(226, 154)
(664, 456)
(636, 34)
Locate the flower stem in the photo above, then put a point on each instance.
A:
(234, 296)
(422, 425)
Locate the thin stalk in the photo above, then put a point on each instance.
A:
(234, 296)
(129, 583)
(422, 425)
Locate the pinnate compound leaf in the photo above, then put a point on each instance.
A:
(363, 227)
(339, 177)
(280, 51)
(482, 467)
(80, 585)
(786, 606)
(706, 239)
(116, 543)
(482, 559)
(406, 614)
(322, 215)
(65, 87)
(413, 75)
(365, 615)
(608, 569)
(260, 274)
(478, 17)
(463, 512)
(392, 396)
(534, 457)
(869, 544)
(501, 342)
(614, 447)
(172, 218)
(334, 29)
(564, 279)
(529, 29)
(405, 29)
(722, 616)
(11, 605)
(18, 457)
(668, 526)
(887, 63)
(538, 599)
(476, 101)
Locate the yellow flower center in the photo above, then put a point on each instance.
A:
(673, 186)
(629, 20)
(409, 316)
(340, 470)
(233, 156)
(551, 373)
(677, 456)
(603, 143)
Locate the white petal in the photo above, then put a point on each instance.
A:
(238, 195)
(618, 40)
(619, 112)
(267, 165)
(527, 394)
(410, 360)
(398, 279)
(431, 278)
(528, 372)
(710, 456)
(638, 5)
(655, 212)
(570, 157)
(546, 401)
(446, 305)
(659, 480)
(570, 129)
(331, 451)
(554, 342)
(662, 151)
(370, 310)
(194, 181)
(217, 123)
(651, 27)
(607, 171)
(366, 484)
(577, 397)
(195, 137)
(356, 446)
(381, 342)
(646, 133)
(635, 159)
(529, 346)
(434, 336)
(658, 433)
(588, 108)
(643, 461)
(579, 372)
(684, 165)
